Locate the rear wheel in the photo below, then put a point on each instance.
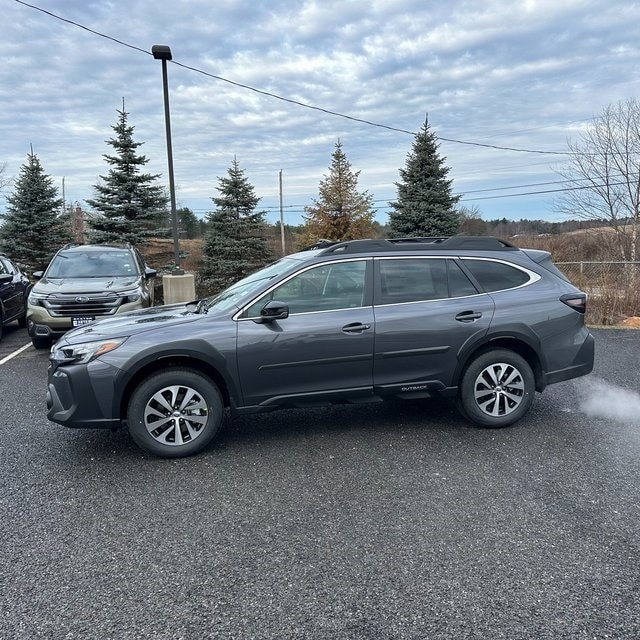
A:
(497, 389)
(175, 413)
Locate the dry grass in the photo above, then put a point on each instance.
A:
(159, 254)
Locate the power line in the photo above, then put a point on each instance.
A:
(289, 100)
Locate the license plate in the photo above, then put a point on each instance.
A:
(81, 320)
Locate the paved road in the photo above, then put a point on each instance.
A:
(395, 521)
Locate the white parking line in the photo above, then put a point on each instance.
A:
(14, 354)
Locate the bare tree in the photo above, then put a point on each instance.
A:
(604, 174)
(4, 180)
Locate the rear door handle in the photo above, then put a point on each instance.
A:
(469, 316)
(355, 327)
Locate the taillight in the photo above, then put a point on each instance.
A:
(577, 301)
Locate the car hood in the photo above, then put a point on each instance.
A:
(134, 322)
(85, 285)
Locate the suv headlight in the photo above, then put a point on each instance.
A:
(35, 298)
(85, 351)
(132, 295)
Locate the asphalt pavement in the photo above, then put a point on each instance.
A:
(393, 521)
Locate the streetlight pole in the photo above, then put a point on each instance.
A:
(163, 52)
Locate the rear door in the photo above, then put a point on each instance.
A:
(425, 310)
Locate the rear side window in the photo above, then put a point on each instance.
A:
(496, 276)
(412, 280)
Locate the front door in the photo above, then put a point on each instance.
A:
(322, 351)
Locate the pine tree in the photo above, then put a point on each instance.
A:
(425, 205)
(341, 212)
(235, 242)
(33, 229)
(130, 202)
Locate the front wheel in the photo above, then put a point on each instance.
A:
(497, 389)
(175, 413)
(41, 343)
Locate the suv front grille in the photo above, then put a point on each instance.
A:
(83, 305)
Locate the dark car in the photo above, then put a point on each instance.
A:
(14, 287)
(474, 319)
(84, 282)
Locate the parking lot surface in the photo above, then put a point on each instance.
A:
(392, 521)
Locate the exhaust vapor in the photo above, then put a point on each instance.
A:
(599, 398)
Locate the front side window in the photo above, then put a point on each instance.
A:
(496, 276)
(322, 288)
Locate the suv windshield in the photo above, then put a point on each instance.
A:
(228, 298)
(92, 264)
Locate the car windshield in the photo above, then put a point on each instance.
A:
(93, 264)
(226, 299)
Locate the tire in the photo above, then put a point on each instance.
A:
(175, 413)
(41, 343)
(497, 389)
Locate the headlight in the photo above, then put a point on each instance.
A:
(34, 298)
(84, 352)
(133, 295)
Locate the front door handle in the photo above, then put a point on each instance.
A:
(468, 316)
(355, 327)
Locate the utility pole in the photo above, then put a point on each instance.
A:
(284, 251)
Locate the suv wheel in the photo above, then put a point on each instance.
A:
(41, 343)
(175, 413)
(497, 389)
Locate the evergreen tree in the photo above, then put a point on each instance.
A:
(425, 205)
(189, 223)
(235, 243)
(341, 212)
(33, 229)
(130, 202)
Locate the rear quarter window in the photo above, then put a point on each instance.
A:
(496, 276)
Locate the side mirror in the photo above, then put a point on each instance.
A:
(149, 273)
(37, 274)
(273, 310)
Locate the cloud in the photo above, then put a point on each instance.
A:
(511, 74)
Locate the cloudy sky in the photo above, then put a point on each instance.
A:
(505, 84)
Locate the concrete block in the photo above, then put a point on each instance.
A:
(180, 288)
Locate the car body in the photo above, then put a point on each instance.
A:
(14, 288)
(84, 282)
(474, 319)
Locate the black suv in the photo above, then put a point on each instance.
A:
(85, 282)
(14, 287)
(475, 319)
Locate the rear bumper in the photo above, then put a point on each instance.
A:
(581, 365)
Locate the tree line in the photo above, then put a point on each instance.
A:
(130, 206)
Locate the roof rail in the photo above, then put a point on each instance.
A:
(440, 243)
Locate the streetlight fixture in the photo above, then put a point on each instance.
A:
(163, 52)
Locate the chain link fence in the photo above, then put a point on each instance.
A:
(613, 288)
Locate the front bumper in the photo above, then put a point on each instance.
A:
(83, 396)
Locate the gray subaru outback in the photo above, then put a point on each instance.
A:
(475, 319)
